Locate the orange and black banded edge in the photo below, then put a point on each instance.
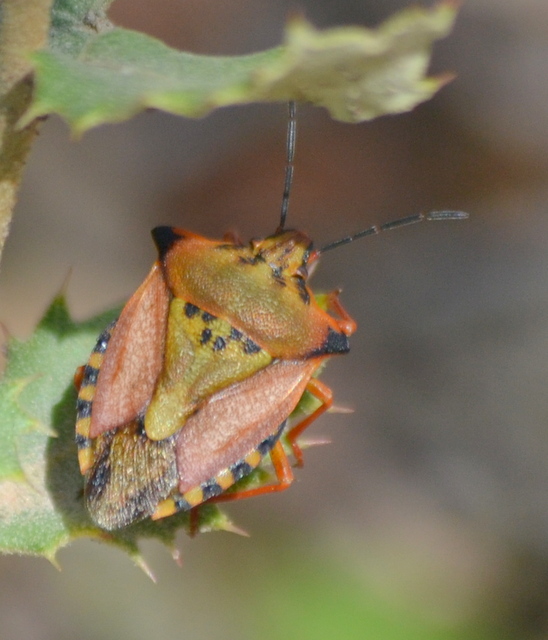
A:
(220, 483)
(97, 464)
(85, 399)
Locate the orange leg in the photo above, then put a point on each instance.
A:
(78, 377)
(278, 456)
(346, 323)
(325, 396)
(284, 474)
(283, 471)
(194, 521)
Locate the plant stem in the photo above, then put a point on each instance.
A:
(24, 26)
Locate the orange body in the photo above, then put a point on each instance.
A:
(194, 383)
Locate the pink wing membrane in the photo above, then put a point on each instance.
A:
(134, 357)
(237, 419)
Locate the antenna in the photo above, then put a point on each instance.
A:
(289, 167)
(395, 224)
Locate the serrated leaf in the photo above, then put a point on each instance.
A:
(92, 73)
(41, 488)
(14, 423)
(77, 23)
(41, 505)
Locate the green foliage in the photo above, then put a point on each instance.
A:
(321, 601)
(94, 73)
(41, 489)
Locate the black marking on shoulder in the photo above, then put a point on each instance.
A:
(83, 408)
(335, 342)
(206, 336)
(164, 238)
(251, 347)
(208, 317)
(219, 344)
(191, 310)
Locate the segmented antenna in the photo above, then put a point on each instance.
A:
(291, 139)
(402, 222)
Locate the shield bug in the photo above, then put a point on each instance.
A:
(193, 385)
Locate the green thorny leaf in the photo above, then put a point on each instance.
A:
(41, 489)
(93, 72)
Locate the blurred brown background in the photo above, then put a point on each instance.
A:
(427, 517)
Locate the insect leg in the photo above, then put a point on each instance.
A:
(283, 471)
(325, 396)
(78, 377)
(347, 324)
(194, 521)
(284, 475)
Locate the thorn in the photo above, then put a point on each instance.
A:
(177, 556)
(140, 562)
(445, 78)
(337, 408)
(65, 284)
(6, 334)
(52, 559)
(313, 442)
(232, 528)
